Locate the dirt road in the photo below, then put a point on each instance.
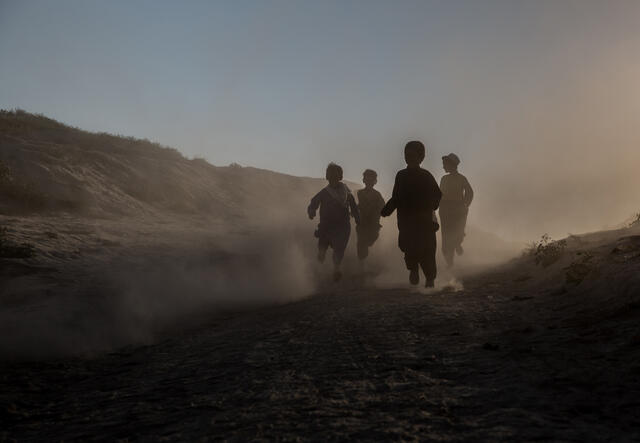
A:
(491, 362)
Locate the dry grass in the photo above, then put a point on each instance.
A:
(546, 251)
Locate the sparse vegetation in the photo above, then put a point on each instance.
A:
(546, 251)
(635, 220)
(63, 163)
(19, 122)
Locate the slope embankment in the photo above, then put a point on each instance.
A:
(48, 166)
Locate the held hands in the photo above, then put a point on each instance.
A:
(388, 209)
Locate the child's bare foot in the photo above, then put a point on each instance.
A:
(429, 284)
(414, 277)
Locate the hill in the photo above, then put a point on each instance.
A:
(48, 166)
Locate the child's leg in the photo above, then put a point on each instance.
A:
(338, 255)
(411, 261)
(408, 244)
(339, 245)
(448, 245)
(428, 261)
(461, 224)
(323, 245)
(428, 265)
(362, 244)
(448, 230)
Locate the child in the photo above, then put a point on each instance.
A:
(334, 229)
(416, 195)
(370, 203)
(456, 198)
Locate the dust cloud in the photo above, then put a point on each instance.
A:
(482, 251)
(184, 278)
(141, 299)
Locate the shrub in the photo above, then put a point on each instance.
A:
(635, 220)
(546, 251)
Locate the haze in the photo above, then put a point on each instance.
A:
(539, 99)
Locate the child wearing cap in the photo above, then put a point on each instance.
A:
(457, 196)
(370, 203)
(336, 204)
(416, 196)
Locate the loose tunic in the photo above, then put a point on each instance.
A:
(370, 203)
(416, 195)
(456, 198)
(336, 205)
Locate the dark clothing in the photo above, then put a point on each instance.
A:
(415, 196)
(367, 236)
(426, 260)
(453, 217)
(370, 203)
(334, 228)
(457, 195)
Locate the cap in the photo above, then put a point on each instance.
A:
(452, 158)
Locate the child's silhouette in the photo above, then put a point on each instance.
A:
(456, 198)
(416, 196)
(370, 203)
(334, 201)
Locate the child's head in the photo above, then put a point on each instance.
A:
(414, 153)
(450, 163)
(370, 178)
(333, 174)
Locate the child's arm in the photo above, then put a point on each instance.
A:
(355, 212)
(388, 208)
(392, 204)
(314, 205)
(434, 192)
(468, 193)
(379, 202)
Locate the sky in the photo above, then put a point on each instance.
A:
(540, 99)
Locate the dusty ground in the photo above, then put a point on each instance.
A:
(518, 354)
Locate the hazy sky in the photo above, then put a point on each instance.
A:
(540, 99)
